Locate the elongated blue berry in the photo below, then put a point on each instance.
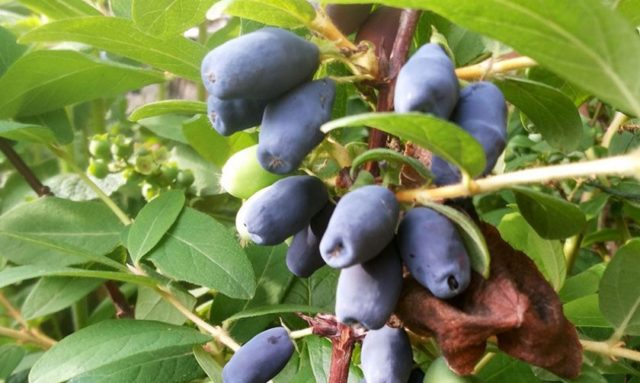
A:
(482, 112)
(433, 251)
(234, 115)
(427, 83)
(291, 125)
(303, 256)
(259, 65)
(361, 226)
(279, 211)
(260, 359)
(386, 356)
(367, 293)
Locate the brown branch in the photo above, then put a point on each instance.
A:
(24, 170)
(123, 309)
(408, 22)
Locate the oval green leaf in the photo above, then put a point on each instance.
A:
(26, 132)
(280, 13)
(473, 239)
(169, 17)
(443, 138)
(554, 114)
(390, 155)
(551, 217)
(113, 345)
(52, 294)
(42, 81)
(620, 290)
(17, 274)
(546, 254)
(175, 54)
(200, 250)
(153, 221)
(163, 107)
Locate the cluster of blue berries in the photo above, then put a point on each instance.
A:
(264, 78)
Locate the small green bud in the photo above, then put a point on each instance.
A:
(98, 168)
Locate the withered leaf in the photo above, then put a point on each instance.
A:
(516, 304)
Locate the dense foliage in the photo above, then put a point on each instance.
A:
(176, 173)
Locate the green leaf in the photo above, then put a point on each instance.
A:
(176, 54)
(547, 255)
(471, 235)
(17, 274)
(26, 132)
(151, 306)
(464, 44)
(163, 107)
(152, 223)
(273, 280)
(54, 231)
(43, 81)
(390, 155)
(620, 290)
(551, 217)
(585, 283)
(169, 17)
(61, 9)
(630, 9)
(52, 294)
(280, 13)
(580, 49)
(115, 346)
(575, 94)
(10, 50)
(554, 114)
(200, 250)
(584, 312)
(273, 309)
(206, 141)
(10, 357)
(208, 364)
(441, 137)
(316, 291)
(166, 126)
(502, 368)
(57, 121)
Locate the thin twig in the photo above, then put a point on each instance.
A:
(22, 168)
(407, 27)
(612, 351)
(618, 120)
(626, 165)
(34, 334)
(26, 337)
(123, 309)
(488, 68)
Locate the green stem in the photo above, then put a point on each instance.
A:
(80, 314)
(61, 153)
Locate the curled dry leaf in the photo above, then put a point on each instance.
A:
(516, 304)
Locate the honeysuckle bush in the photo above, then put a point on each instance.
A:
(119, 260)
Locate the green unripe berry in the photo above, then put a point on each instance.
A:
(149, 191)
(99, 147)
(121, 149)
(144, 164)
(185, 178)
(243, 176)
(169, 172)
(439, 372)
(98, 168)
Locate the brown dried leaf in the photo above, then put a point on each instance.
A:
(516, 304)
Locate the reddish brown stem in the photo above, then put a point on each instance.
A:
(342, 348)
(24, 170)
(123, 309)
(408, 22)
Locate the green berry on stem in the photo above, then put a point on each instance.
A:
(98, 168)
(99, 147)
(243, 176)
(185, 178)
